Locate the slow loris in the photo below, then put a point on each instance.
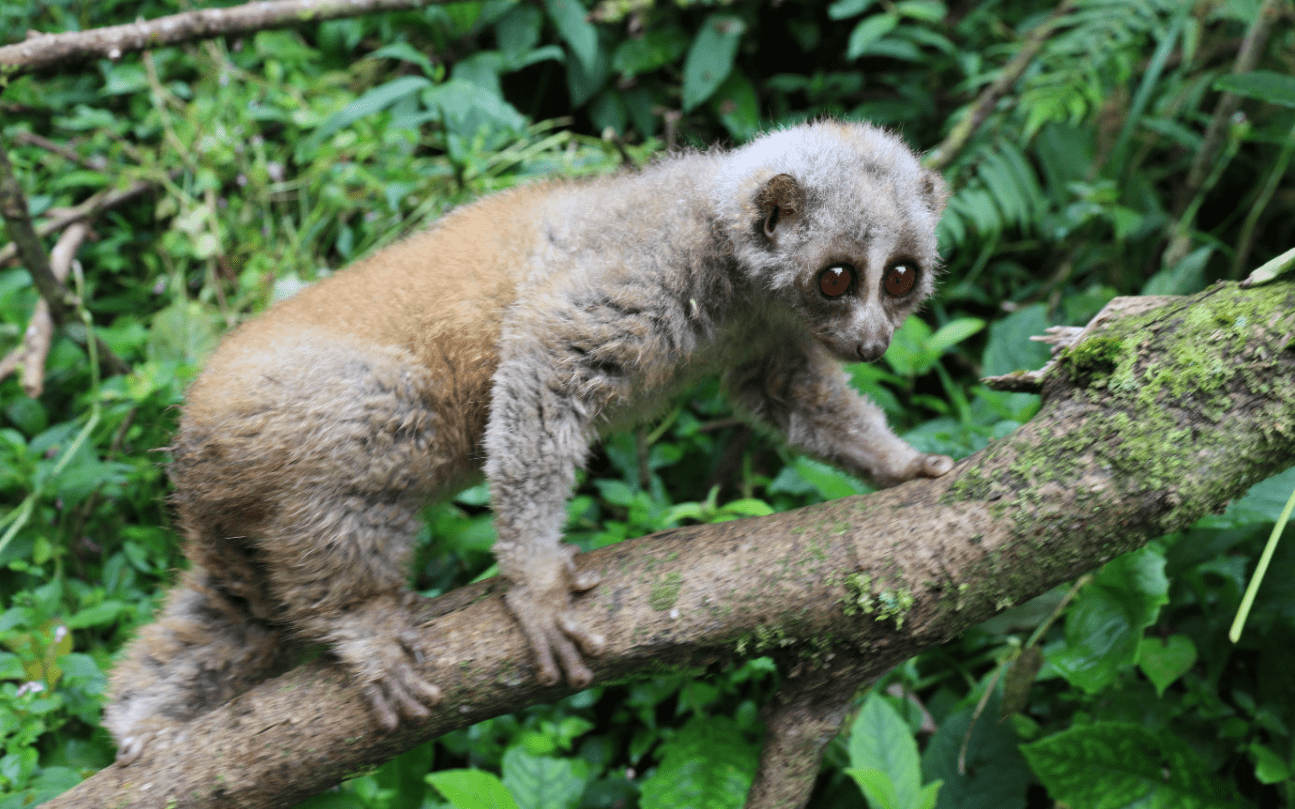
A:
(504, 340)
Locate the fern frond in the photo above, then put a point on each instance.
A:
(1098, 50)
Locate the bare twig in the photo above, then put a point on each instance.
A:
(40, 331)
(92, 207)
(60, 50)
(97, 162)
(940, 157)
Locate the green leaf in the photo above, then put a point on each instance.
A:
(954, 332)
(372, 102)
(584, 81)
(842, 9)
(1010, 347)
(868, 31)
(1265, 85)
(1185, 277)
(738, 106)
(518, 31)
(708, 764)
(405, 53)
(996, 775)
(185, 331)
(1113, 765)
(472, 789)
(657, 48)
(1266, 499)
(1270, 768)
(710, 58)
(910, 353)
(99, 615)
(1104, 625)
(542, 782)
(1164, 661)
(579, 34)
(830, 482)
(876, 786)
(924, 10)
(883, 757)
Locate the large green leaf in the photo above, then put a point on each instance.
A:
(543, 782)
(1104, 625)
(883, 759)
(1114, 765)
(995, 776)
(710, 58)
(472, 789)
(706, 765)
(576, 31)
(1265, 85)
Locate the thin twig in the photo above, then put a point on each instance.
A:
(61, 50)
(92, 207)
(96, 162)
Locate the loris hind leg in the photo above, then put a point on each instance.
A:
(335, 451)
(337, 565)
(203, 650)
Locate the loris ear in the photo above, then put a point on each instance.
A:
(935, 192)
(780, 201)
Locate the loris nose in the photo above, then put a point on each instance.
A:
(870, 350)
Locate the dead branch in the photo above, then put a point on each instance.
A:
(59, 301)
(40, 330)
(853, 586)
(61, 50)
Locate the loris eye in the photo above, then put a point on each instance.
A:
(836, 280)
(899, 279)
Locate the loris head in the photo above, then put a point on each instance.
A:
(835, 221)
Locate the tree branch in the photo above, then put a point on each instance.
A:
(1154, 420)
(60, 50)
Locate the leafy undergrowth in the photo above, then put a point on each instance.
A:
(281, 156)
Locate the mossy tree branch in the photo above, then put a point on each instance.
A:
(1156, 419)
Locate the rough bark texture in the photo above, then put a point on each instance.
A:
(1151, 422)
(43, 51)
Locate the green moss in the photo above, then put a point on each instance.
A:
(868, 596)
(666, 592)
(1093, 360)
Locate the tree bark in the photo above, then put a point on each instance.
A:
(42, 51)
(1152, 421)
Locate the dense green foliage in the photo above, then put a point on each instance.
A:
(281, 156)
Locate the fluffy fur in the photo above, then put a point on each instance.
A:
(504, 340)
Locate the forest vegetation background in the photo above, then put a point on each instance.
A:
(1125, 148)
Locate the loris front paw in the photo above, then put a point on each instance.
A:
(540, 600)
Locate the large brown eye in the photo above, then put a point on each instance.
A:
(899, 279)
(836, 280)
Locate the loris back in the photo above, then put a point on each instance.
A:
(504, 340)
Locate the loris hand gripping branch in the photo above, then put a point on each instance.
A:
(505, 339)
